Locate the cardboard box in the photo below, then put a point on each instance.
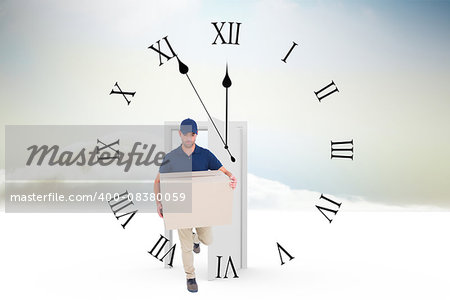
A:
(208, 199)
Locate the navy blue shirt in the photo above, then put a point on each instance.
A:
(200, 160)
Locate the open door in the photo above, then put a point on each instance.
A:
(230, 240)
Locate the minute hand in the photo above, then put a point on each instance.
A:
(184, 70)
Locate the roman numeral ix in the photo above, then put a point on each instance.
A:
(102, 157)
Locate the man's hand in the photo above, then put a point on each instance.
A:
(156, 190)
(159, 208)
(233, 182)
(228, 173)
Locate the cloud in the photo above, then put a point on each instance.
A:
(273, 195)
(270, 194)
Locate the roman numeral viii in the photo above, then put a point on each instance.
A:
(120, 202)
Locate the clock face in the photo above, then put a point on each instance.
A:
(347, 113)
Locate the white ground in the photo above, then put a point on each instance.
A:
(361, 255)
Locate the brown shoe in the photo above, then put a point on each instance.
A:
(196, 248)
(192, 285)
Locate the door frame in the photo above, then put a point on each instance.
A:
(169, 128)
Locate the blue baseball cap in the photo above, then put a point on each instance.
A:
(188, 125)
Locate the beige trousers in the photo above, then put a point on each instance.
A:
(187, 240)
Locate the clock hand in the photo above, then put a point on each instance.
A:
(184, 70)
(226, 84)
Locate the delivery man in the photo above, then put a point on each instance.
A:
(190, 157)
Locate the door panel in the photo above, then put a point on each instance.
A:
(227, 239)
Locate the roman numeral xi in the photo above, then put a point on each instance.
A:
(168, 56)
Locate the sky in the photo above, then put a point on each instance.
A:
(390, 61)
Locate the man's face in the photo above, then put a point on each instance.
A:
(188, 139)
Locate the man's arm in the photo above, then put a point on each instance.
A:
(157, 191)
(228, 173)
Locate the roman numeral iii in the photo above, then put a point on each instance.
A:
(339, 147)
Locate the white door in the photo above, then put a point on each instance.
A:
(230, 240)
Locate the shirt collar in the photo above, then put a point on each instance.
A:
(196, 149)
